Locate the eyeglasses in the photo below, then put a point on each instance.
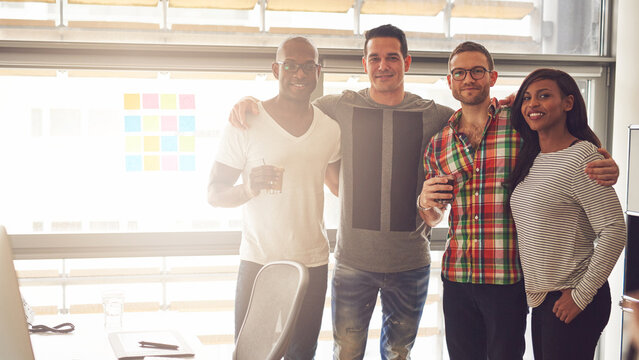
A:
(293, 67)
(477, 73)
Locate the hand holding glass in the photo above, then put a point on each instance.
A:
(451, 182)
(268, 178)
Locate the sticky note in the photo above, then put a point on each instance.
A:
(150, 101)
(169, 123)
(169, 162)
(187, 143)
(65, 122)
(187, 123)
(131, 101)
(133, 144)
(168, 101)
(151, 143)
(151, 163)
(187, 101)
(187, 162)
(151, 123)
(132, 123)
(169, 143)
(133, 162)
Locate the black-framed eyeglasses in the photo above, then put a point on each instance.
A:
(293, 67)
(477, 73)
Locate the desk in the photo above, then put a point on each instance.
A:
(89, 340)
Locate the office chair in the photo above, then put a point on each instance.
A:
(276, 299)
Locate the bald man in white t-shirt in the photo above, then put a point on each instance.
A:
(291, 134)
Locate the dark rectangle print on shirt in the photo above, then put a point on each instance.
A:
(367, 168)
(407, 146)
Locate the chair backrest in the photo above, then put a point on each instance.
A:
(278, 293)
(15, 342)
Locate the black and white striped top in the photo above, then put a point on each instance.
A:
(559, 212)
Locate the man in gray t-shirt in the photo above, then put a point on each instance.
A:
(382, 242)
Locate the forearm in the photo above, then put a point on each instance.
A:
(220, 195)
(605, 215)
(609, 247)
(432, 217)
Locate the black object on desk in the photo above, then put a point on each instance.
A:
(149, 344)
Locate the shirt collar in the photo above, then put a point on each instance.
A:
(493, 107)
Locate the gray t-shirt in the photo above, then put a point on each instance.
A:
(382, 173)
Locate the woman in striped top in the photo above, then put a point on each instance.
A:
(559, 212)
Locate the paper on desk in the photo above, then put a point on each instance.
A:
(126, 345)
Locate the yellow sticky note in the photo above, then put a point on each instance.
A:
(151, 123)
(187, 143)
(133, 144)
(131, 101)
(168, 101)
(151, 163)
(151, 143)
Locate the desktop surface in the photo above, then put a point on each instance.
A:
(90, 340)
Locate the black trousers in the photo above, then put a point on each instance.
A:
(485, 321)
(554, 339)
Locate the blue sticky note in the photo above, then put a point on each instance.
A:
(187, 163)
(187, 123)
(169, 143)
(134, 163)
(132, 123)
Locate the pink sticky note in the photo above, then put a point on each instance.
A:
(170, 163)
(150, 101)
(169, 123)
(187, 101)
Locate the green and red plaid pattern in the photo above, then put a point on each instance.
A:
(482, 241)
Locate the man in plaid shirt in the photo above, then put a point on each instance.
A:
(483, 298)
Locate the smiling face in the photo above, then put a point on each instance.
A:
(385, 66)
(544, 106)
(299, 84)
(470, 91)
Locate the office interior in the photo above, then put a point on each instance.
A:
(111, 110)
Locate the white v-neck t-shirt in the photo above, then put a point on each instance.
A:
(289, 225)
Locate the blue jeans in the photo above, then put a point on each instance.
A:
(403, 295)
(309, 320)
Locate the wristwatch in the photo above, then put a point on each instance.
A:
(420, 207)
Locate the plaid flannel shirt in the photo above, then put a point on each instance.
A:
(482, 243)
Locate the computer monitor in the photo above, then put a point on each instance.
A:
(15, 342)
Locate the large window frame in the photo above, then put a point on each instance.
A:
(100, 56)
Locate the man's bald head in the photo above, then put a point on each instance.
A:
(295, 45)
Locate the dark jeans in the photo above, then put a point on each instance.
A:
(554, 339)
(309, 321)
(485, 321)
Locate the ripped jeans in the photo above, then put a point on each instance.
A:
(354, 294)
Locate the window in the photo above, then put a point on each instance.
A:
(108, 133)
(512, 26)
(116, 152)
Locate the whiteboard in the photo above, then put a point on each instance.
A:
(633, 170)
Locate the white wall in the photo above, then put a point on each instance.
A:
(626, 90)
